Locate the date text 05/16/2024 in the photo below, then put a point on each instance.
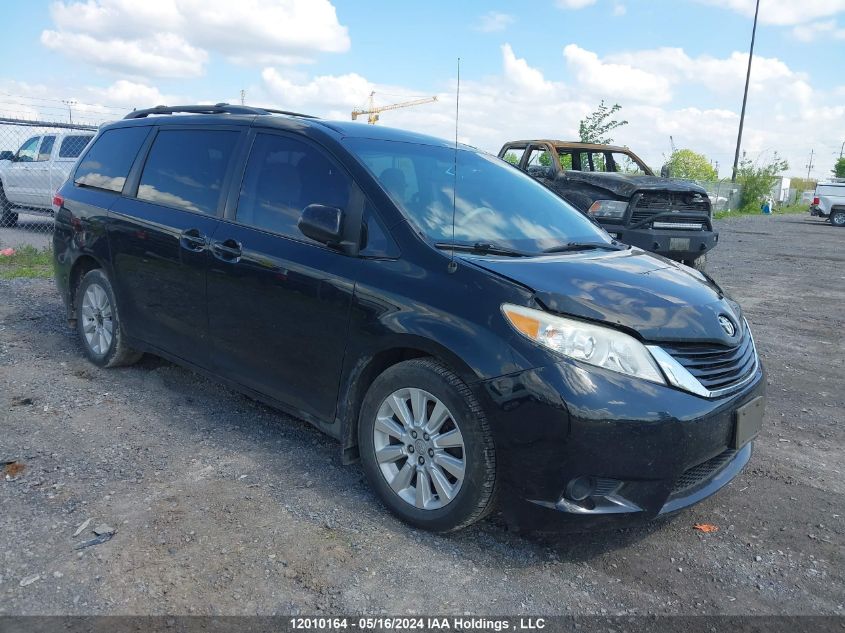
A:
(418, 623)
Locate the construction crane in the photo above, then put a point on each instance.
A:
(372, 111)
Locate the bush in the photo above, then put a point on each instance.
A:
(757, 181)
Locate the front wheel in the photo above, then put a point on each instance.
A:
(837, 217)
(698, 263)
(426, 446)
(7, 216)
(98, 323)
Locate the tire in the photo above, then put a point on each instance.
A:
(837, 217)
(699, 263)
(450, 503)
(7, 216)
(98, 323)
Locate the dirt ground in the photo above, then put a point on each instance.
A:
(223, 506)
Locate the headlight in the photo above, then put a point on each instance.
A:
(612, 209)
(593, 344)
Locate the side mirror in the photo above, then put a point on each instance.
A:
(7, 155)
(322, 224)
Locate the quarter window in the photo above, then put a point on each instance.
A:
(107, 162)
(185, 169)
(283, 176)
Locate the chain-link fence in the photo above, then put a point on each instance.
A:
(36, 157)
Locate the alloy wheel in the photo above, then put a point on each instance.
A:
(97, 319)
(419, 448)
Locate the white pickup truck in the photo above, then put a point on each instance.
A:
(30, 176)
(829, 201)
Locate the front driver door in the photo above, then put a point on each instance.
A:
(278, 303)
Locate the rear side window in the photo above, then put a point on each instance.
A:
(72, 146)
(185, 169)
(46, 148)
(106, 165)
(283, 176)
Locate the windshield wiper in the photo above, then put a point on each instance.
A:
(483, 248)
(584, 246)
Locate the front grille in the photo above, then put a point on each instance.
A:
(717, 367)
(651, 203)
(702, 473)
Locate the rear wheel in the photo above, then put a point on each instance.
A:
(837, 217)
(98, 323)
(426, 446)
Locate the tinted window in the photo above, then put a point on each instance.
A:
(29, 150)
(107, 163)
(492, 203)
(374, 240)
(185, 168)
(283, 176)
(72, 146)
(46, 148)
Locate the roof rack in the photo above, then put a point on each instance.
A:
(217, 108)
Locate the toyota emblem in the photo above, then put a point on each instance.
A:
(727, 325)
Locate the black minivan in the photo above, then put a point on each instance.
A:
(474, 340)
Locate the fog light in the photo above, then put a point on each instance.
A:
(580, 488)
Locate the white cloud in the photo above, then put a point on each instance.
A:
(521, 74)
(819, 32)
(619, 9)
(783, 12)
(493, 21)
(574, 4)
(161, 55)
(614, 79)
(114, 34)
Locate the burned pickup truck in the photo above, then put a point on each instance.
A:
(669, 217)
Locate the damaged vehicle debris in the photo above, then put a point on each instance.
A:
(615, 187)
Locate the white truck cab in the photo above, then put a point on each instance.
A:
(30, 176)
(829, 201)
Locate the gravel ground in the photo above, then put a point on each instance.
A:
(223, 506)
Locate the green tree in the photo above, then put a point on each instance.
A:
(594, 128)
(839, 168)
(685, 163)
(757, 180)
(512, 158)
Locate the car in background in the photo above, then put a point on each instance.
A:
(30, 176)
(670, 217)
(829, 201)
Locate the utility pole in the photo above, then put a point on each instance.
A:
(745, 95)
(69, 103)
(810, 164)
(243, 96)
(842, 150)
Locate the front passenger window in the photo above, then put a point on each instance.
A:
(283, 176)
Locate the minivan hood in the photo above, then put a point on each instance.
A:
(626, 185)
(659, 299)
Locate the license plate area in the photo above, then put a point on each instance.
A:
(749, 421)
(679, 243)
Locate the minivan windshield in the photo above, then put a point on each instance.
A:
(495, 203)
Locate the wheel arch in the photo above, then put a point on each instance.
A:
(84, 264)
(360, 377)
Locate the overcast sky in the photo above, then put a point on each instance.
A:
(529, 69)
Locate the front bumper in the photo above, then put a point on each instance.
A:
(680, 245)
(649, 449)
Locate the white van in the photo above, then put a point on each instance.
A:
(30, 177)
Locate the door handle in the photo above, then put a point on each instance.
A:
(192, 240)
(228, 250)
